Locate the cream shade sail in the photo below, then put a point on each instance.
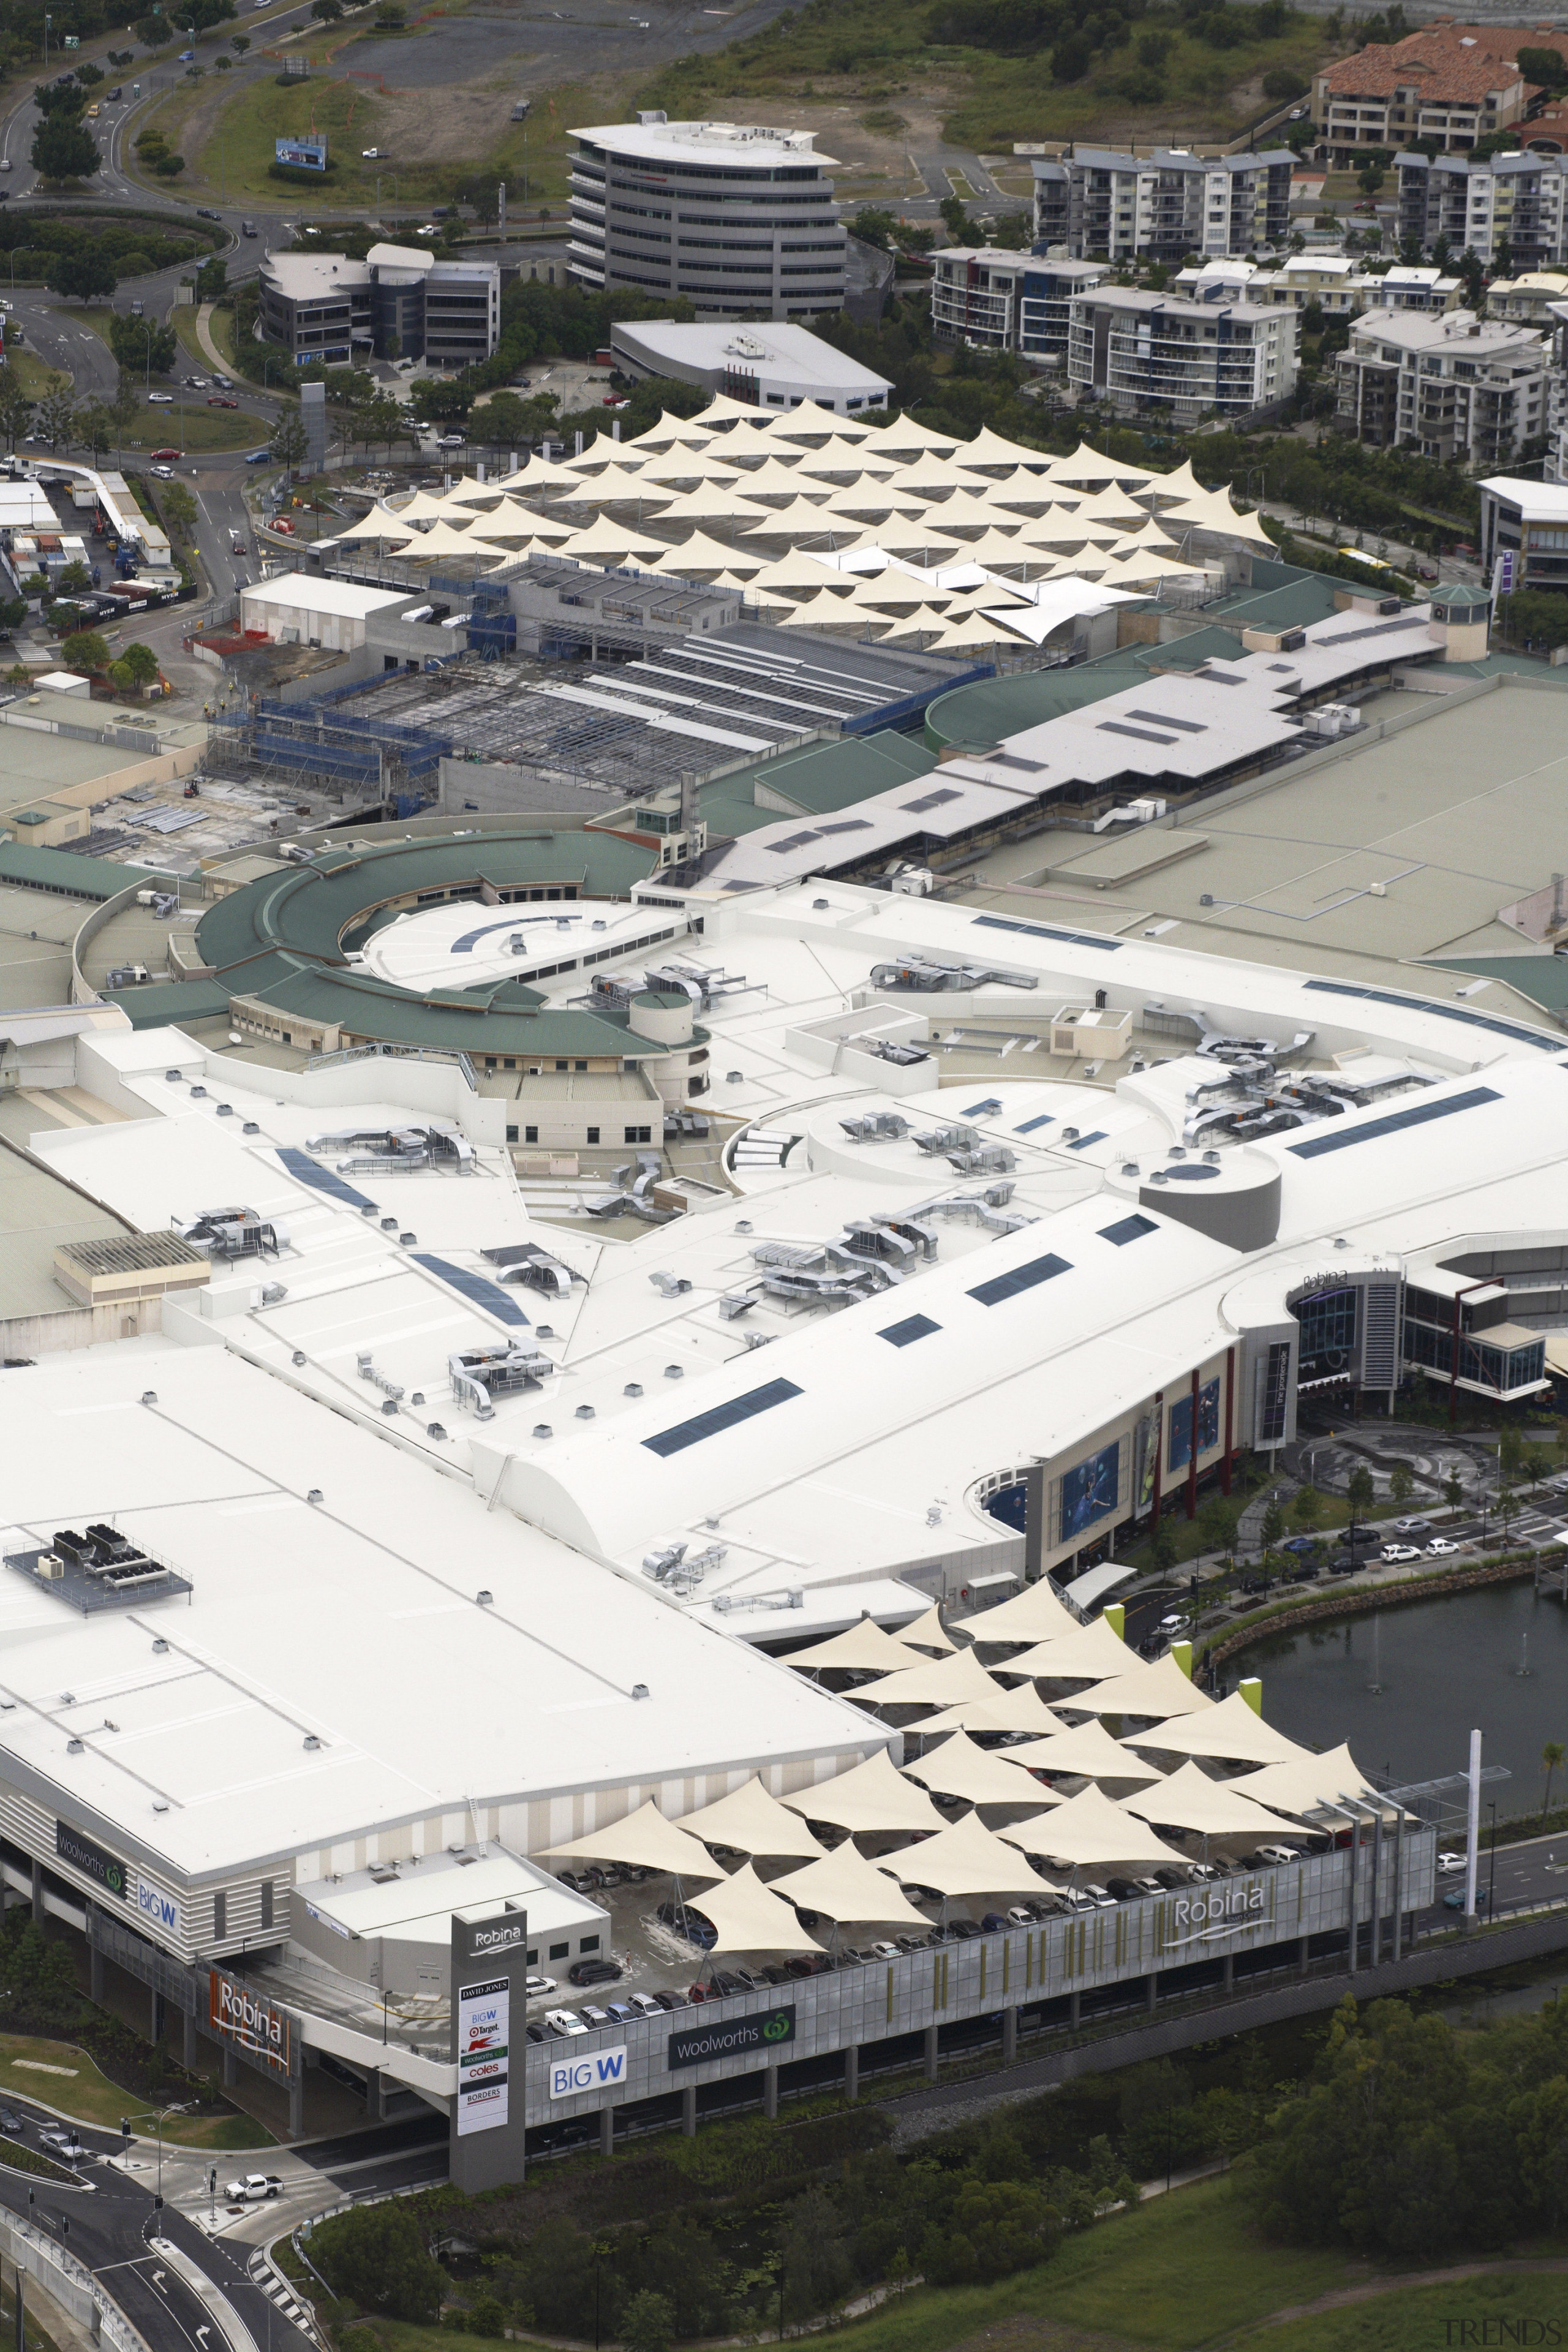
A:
(981, 1776)
(973, 633)
(1092, 1652)
(441, 539)
(1182, 484)
(1160, 1690)
(801, 518)
(846, 1888)
(926, 1632)
(989, 448)
(904, 434)
(618, 486)
(1229, 1730)
(748, 1916)
(925, 621)
(380, 523)
(823, 611)
(1212, 510)
(865, 1644)
(873, 1796)
(1089, 1832)
(509, 522)
(1296, 1788)
(941, 1683)
(753, 1821)
(554, 529)
(1189, 1799)
(701, 554)
(1016, 1710)
(645, 1841)
(796, 570)
(602, 539)
(422, 507)
(966, 512)
(970, 1859)
(1088, 1749)
(684, 467)
(537, 476)
(775, 481)
(1037, 1614)
(711, 503)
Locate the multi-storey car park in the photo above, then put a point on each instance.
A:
(520, 1559)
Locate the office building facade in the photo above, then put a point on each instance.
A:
(399, 302)
(1100, 206)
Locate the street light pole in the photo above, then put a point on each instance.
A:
(1491, 1875)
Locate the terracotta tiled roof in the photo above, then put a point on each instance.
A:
(1444, 63)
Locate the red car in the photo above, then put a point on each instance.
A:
(217, 400)
(283, 524)
(166, 456)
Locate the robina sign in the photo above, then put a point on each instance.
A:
(1216, 1910)
(600, 2070)
(732, 2039)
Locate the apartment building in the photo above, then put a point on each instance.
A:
(1100, 205)
(1457, 388)
(1340, 286)
(1517, 201)
(1528, 519)
(1146, 351)
(990, 299)
(739, 219)
(400, 301)
(1450, 82)
(1529, 300)
(1554, 466)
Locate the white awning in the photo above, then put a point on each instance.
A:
(940, 1684)
(1018, 1710)
(645, 1841)
(1088, 1749)
(970, 1859)
(959, 1768)
(1231, 1730)
(1189, 1799)
(928, 1633)
(750, 1918)
(1158, 1691)
(1088, 1652)
(845, 1887)
(1306, 1781)
(866, 1644)
(1036, 1615)
(753, 1821)
(873, 1796)
(1089, 1832)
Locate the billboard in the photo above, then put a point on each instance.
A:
(1088, 1492)
(307, 154)
(570, 2077)
(90, 1860)
(262, 2029)
(732, 2039)
(484, 2023)
(1181, 1451)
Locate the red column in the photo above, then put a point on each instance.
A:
(1229, 1420)
(1159, 1457)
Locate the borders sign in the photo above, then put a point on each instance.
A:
(701, 2045)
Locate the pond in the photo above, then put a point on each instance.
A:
(1406, 1686)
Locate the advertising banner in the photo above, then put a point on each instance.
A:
(158, 1910)
(302, 154)
(484, 2023)
(732, 2039)
(600, 2071)
(90, 1860)
(237, 2014)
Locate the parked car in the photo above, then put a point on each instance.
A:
(621, 2013)
(593, 1972)
(1440, 1548)
(643, 2004)
(668, 2000)
(884, 1951)
(204, 212)
(965, 1930)
(592, 2015)
(564, 2021)
(10, 2121)
(1148, 1886)
(264, 457)
(539, 1986)
(536, 2033)
(1299, 1545)
(1278, 1854)
(992, 1922)
(452, 441)
(1169, 1879)
(689, 1923)
(1201, 1873)
(1399, 1554)
(165, 473)
(159, 400)
(1021, 1915)
(1413, 1527)
(1124, 1890)
(373, 154)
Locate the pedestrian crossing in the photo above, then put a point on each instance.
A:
(264, 2274)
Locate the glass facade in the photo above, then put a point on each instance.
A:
(1329, 1321)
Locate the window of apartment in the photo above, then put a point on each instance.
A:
(529, 1134)
(593, 1135)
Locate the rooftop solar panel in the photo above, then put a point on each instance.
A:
(1163, 718)
(310, 1172)
(1083, 1141)
(473, 1287)
(1028, 1126)
(1128, 1229)
(1460, 1013)
(1144, 734)
(721, 1416)
(913, 1326)
(1045, 931)
(1419, 1114)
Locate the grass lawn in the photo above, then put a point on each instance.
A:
(1506, 2309)
(65, 2077)
(38, 380)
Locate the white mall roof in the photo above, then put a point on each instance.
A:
(304, 591)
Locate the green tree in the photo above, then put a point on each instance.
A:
(1163, 1545)
(141, 662)
(1217, 1524)
(648, 2324)
(85, 650)
(64, 150)
(1454, 1490)
(16, 408)
(180, 507)
(374, 2255)
(1273, 1526)
(1401, 1485)
(289, 440)
(1553, 1757)
(43, 1982)
(239, 43)
(92, 427)
(54, 419)
(441, 400)
(1537, 1465)
(73, 580)
(13, 612)
(143, 346)
(1359, 1491)
(875, 225)
(1543, 65)
(126, 405)
(1308, 1508)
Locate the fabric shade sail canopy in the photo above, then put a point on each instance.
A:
(748, 1916)
(422, 507)
(1086, 1652)
(380, 523)
(1018, 1710)
(1189, 1799)
(1088, 1749)
(1038, 1613)
(928, 1633)
(970, 1859)
(441, 540)
(873, 1796)
(1230, 1730)
(844, 1886)
(645, 1841)
(1089, 1832)
(981, 1775)
(702, 553)
(942, 1683)
(604, 538)
(1306, 1783)
(1159, 1690)
(865, 1645)
(752, 1820)
(709, 503)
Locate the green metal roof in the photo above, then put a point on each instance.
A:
(163, 1002)
(819, 779)
(1543, 978)
(79, 877)
(278, 940)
